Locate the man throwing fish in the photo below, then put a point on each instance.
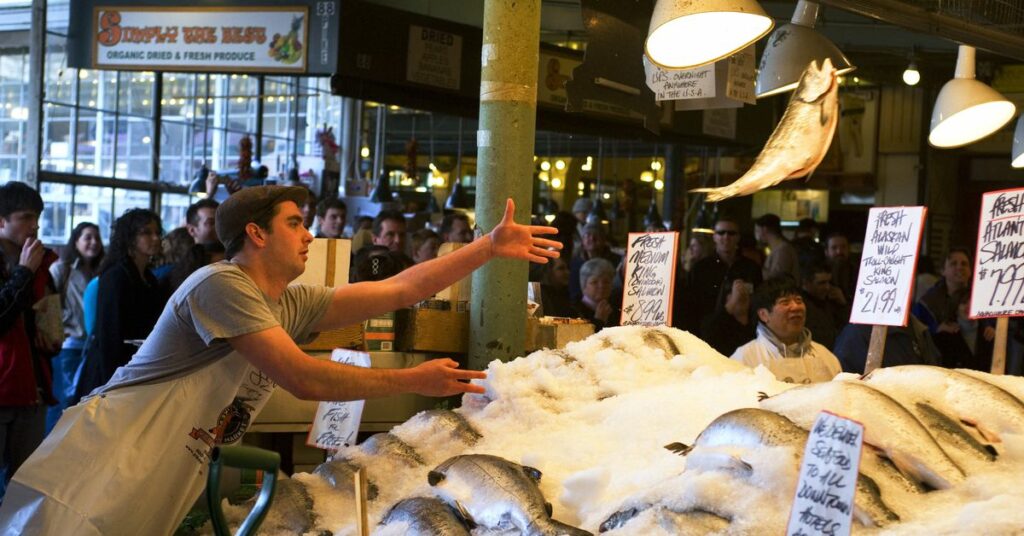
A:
(783, 345)
(132, 458)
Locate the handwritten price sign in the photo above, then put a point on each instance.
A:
(998, 288)
(887, 266)
(828, 478)
(337, 423)
(650, 278)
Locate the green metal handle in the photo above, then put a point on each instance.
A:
(242, 458)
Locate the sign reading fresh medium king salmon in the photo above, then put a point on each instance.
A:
(246, 39)
(336, 424)
(650, 278)
(998, 287)
(887, 266)
(823, 503)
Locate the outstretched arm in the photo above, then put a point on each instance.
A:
(510, 240)
(275, 353)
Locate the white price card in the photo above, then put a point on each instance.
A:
(336, 424)
(887, 266)
(823, 503)
(650, 278)
(696, 83)
(998, 287)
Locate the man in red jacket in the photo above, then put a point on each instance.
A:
(25, 378)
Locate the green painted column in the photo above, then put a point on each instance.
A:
(508, 118)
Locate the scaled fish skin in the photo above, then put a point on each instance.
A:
(990, 409)
(291, 509)
(888, 426)
(388, 444)
(426, 516)
(340, 474)
(800, 140)
(457, 426)
(487, 490)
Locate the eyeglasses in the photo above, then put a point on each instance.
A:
(727, 233)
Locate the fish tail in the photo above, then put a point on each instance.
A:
(552, 527)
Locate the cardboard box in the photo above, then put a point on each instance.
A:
(547, 334)
(432, 330)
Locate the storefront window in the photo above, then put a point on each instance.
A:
(13, 115)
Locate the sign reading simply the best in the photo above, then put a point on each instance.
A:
(256, 39)
(887, 266)
(823, 504)
(650, 278)
(998, 288)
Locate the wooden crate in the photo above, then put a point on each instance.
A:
(540, 335)
(432, 330)
(347, 337)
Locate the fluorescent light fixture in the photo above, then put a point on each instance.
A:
(967, 110)
(685, 34)
(791, 48)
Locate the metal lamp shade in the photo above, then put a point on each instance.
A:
(967, 110)
(789, 51)
(685, 34)
(1017, 155)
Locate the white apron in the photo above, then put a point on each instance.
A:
(134, 460)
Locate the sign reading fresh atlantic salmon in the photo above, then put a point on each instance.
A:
(887, 266)
(650, 278)
(998, 288)
(823, 504)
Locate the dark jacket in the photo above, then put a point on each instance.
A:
(127, 308)
(584, 311)
(911, 345)
(705, 284)
(576, 263)
(725, 334)
(25, 375)
(825, 319)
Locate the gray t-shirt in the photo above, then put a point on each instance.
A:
(217, 302)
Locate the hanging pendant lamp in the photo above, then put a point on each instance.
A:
(967, 110)
(685, 34)
(791, 48)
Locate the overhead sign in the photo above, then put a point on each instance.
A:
(650, 278)
(434, 58)
(196, 38)
(887, 266)
(828, 478)
(998, 288)
(336, 424)
(679, 84)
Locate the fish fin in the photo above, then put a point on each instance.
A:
(549, 509)
(988, 435)
(761, 396)
(434, 477)
(464, 515)
(916, 469)
(679, 448)
(533, 473)
(701, 190)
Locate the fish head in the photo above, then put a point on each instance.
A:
(816, 81)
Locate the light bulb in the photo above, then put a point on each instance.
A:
(559, 165)
(364, 152)
(545, 165)
(911, 76)
(556, 183)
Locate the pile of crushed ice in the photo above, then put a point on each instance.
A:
(594, 418)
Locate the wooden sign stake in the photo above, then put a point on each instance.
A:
(999, 346)
(876, 348)
(362, 523)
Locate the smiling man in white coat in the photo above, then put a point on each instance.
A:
(132, 458)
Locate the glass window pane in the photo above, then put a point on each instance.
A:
(176, 153)
(93, 203)
(12, 156)
(97, 89)
(136, 93)
(134, 149)
(95, 142)
(172, 210)
(55, 221)
(59, 80)
(57, 15)
(129, 199)
(57, 146)
(277, 153)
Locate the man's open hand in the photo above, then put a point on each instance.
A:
(514, 241)
(441, 377)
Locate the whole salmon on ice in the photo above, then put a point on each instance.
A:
(801, 139)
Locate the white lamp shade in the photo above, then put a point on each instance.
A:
(1017, 155)
(967, 110)
(685, 34)
(789, 50)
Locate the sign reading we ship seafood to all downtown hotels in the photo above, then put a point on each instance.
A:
(249, 39)
(887, 266)
(998, 287)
